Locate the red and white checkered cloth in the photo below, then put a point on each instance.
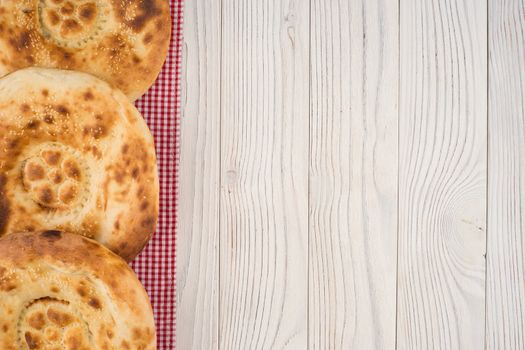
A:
(156, 265)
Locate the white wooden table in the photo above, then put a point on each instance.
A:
(352, 175)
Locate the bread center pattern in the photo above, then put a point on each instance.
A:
(55, 177)
(49, 323)
(70, 23)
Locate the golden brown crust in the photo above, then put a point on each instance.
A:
(124, 42)
(75, 155)
(59, 288)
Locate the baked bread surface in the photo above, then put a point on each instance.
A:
(64, 291)
(124, 42)
(77, 156)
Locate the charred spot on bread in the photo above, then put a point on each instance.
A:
(21, 42)
(33, 124)
(62, 109)
(52, 234)
(88, 96)
(94, 303)
(33, 341)
(148, 10)
(4, 206)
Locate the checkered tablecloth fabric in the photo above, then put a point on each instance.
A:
(156, 265)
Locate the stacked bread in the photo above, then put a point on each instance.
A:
(79, 189)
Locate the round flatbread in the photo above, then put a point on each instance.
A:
(63, 291)
(75, 155)
(123, 42)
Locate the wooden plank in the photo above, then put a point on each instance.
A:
(506, 190)
(198, 209)
(442, 188)
(264, 187)
(353, 174)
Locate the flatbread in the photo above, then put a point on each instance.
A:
(75, 155)
(63, 291)
(123, 42)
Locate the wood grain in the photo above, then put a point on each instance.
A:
(353, 174)
(506, 186)
(301, 226)
(198, 202)
(442, 174)
(264, 187)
